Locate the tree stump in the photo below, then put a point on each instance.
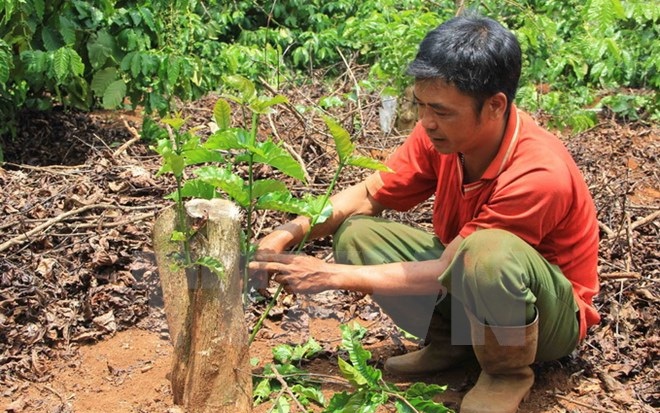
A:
(210, 367)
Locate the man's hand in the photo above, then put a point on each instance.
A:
(296, 273)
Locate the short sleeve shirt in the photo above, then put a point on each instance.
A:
(532, 188)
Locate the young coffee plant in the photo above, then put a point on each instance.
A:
(228, 150)
(368, 391)
(221, 155)
(346, 157)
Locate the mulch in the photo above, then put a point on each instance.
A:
(76, 262)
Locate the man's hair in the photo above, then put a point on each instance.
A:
(476, 54)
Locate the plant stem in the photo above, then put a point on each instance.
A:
(313, 222)
(248, 232)
(181, 217)
(180, 210)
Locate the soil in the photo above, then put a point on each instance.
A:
(82, 327)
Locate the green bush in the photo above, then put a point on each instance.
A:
(147, 53)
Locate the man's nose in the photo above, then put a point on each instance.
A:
(428, 122)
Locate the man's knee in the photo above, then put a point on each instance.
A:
(485, 254)
(347, 238)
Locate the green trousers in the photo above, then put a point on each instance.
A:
(495, 275)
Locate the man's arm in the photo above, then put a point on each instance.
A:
(354, 200)
(305, 274)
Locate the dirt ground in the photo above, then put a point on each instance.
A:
(82, 327)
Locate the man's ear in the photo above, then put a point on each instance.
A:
(496, 105)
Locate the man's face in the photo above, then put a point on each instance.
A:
(450, 118)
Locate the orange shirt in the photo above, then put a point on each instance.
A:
(532, 189)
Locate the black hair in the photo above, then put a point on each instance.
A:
(476, 54)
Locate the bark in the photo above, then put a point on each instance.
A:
(210, 367)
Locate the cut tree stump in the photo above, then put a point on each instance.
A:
(210, 367)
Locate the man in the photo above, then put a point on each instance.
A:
(511, 266)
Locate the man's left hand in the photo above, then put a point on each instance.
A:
(297, 273)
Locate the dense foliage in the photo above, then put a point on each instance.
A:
(580, 55)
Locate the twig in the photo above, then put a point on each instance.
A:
(125, 145)
(285, 386)
(621, 274)
(53, 169)
(117, 223)
(607, 230)
(579, 403)
(629, 241)
(357, 93)
(287, 105)
(26, 236)
(640, 222)
(643, 221)
(289, 149)
(272, 409)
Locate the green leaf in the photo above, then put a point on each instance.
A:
(148, 17)
(262, 391)
(200, 155)
(282, 353)
(284, 202)
(281, 405)
(213, 265)
(227, 139)
(266, 186)
(342, 139)
(175, 122)
(61, 63)
(244, 86)
(305, 394)
(67, 30)
(194, 188)
(34, 61)
(318, 207)
(99, 48)
(307, 350)
(173, 69)
(424, 390)
(358, 402)
(262, 105)
(6, 63)
(425, 405)
(359, 356)
(178, 236)
(271, 154)
(76, 65)
(102, 79)
(352, 374)
(114, 94)
(51, 38)
(368, 163)
(224, 179)
(222, 114)
(39, 8)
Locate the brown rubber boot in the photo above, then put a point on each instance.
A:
(505, 355)
(438, 355)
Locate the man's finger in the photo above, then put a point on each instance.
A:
(282, 258)
(268, 266)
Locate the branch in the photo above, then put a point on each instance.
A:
(285, 386)
(643, 221)
(621, 274)
(136, 137)
(589, 406)
(640, 222)
(289, 149)
(357, 92)
(26, 236)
